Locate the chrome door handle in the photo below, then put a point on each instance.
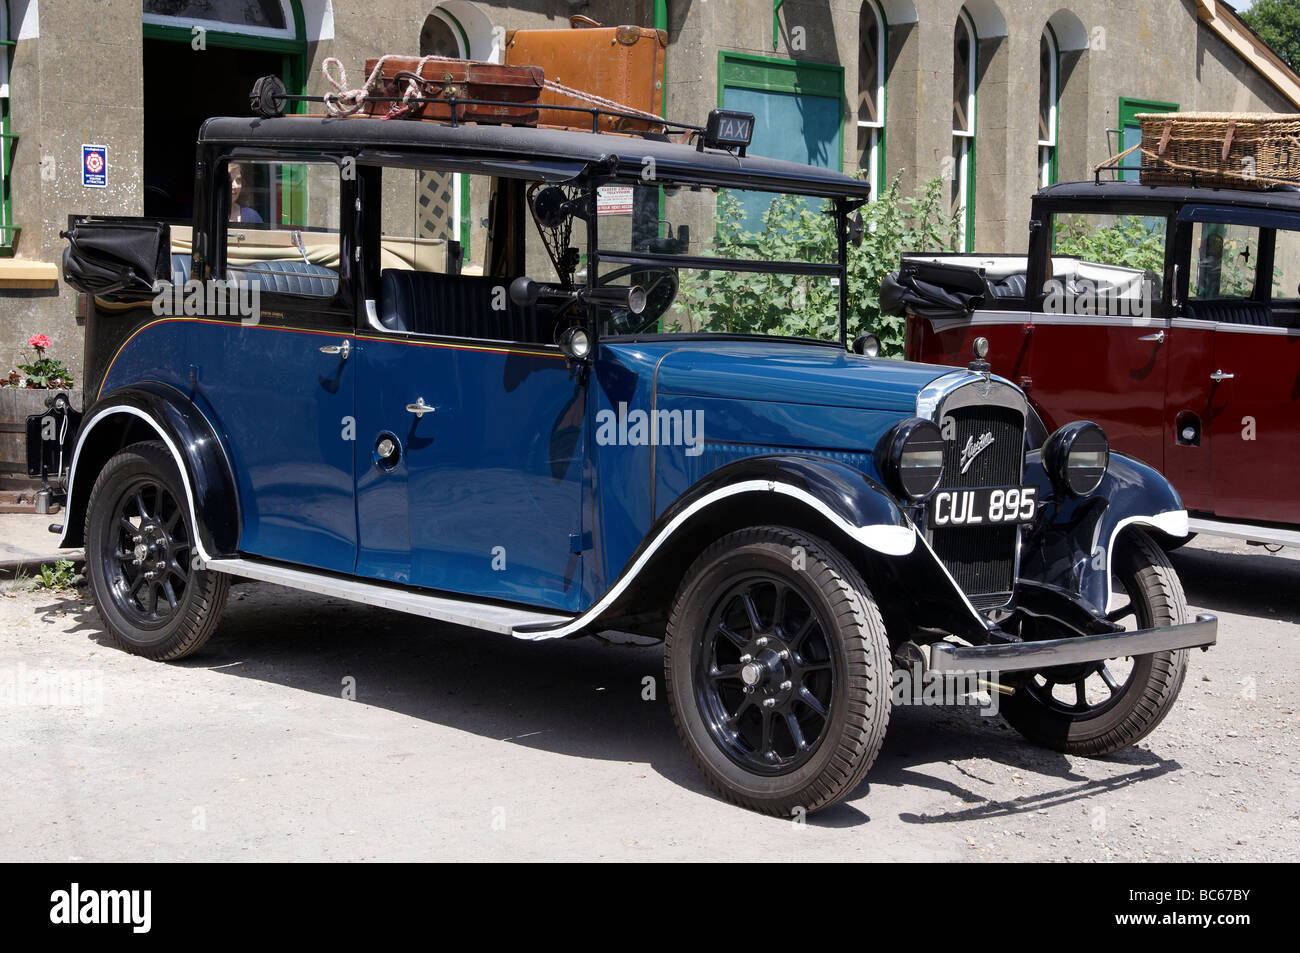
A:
(1220, 376)
(1157, 338)
(342, 350)
(420, 408)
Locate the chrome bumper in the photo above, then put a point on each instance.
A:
(1031, 656)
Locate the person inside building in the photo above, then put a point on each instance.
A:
(240, 213)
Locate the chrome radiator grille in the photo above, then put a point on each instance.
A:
(982, 559)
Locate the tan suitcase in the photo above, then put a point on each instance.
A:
(517, 87)
(622, 64)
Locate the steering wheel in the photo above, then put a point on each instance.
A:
(660, 293)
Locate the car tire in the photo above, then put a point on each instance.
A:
(830, 689)
(138, 523)
(1133, 709)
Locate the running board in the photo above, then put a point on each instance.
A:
(1247, 531)
(503, 620)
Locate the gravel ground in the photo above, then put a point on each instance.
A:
(460, 745)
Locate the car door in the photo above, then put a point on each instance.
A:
(1255, 379)
(1098, 340)
(278, 379)
(470, 422)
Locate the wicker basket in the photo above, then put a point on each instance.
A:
(1224, 150)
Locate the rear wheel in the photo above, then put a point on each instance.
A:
(778, 671)
(141, 561)
(1100, 707)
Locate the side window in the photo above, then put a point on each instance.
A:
(1286, 268)
(1223, 262)
(1110, 265)
(282, 228)
(450, 244)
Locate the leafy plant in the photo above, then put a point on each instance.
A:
(44, 372)
(803, 306)
(1131, 241)
(57, 577)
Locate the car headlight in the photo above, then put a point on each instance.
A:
(1076, 457)
(910, 458)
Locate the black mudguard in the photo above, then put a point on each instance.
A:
(1071, 546)
(152, 410)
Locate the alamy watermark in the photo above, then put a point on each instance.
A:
(68, 687)
(1083, 296)
(914, 685)
(215, 297)
(657, 428)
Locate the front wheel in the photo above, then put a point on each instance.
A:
(778, 671)
(152, 594)
(1100, 707)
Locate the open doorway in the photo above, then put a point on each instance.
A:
(182, 88)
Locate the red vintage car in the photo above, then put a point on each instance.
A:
(1168, 315)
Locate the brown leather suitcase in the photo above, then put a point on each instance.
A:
(622, 64)
(517, 86)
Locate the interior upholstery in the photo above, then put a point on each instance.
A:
(425, 302)
(1012, 286)
(1232, 312)
(289, 277)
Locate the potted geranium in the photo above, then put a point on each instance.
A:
(44, 372)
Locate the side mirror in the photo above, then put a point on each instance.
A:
(856, 229)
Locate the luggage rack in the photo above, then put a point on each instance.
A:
(1115, 165)
(269, 97)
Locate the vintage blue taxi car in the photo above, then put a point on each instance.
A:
(544, 383)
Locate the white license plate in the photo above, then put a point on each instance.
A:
(986, 506)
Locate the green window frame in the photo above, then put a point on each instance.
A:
(777, 75)
(8, 230)
(1129, 109)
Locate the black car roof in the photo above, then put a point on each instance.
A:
(1282, 198)
(671, 160)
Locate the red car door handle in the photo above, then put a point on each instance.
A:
(1220, 376)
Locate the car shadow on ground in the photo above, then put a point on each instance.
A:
(1252, 583)
(586, 699)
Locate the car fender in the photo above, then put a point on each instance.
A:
(151, 410)
(843, 503)
(1072, 545)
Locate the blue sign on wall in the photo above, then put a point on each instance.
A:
(94, 167)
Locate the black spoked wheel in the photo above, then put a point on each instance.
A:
(148, 564)
(778, 670)
(151, 592)
(765, 676)
(1101, 707)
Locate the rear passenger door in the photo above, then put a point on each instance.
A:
(469, 423)
(278, 380)
(1248, 264)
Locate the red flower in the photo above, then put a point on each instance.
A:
(39, 341)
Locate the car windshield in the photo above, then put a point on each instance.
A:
(719, 260)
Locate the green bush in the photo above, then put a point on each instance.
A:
(800, 306)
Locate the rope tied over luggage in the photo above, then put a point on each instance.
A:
(346, 102)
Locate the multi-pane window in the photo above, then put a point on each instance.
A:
(871, 94)
(965, 54)
(1049, 96)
